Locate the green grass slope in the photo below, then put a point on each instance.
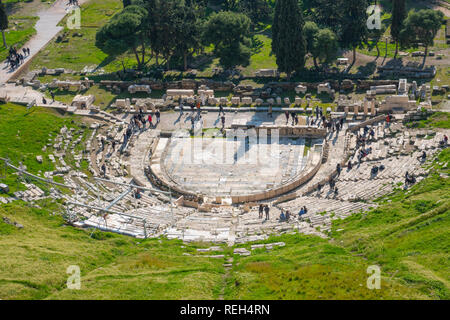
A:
(407, 236)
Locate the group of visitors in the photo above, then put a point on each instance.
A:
(364, 153)
(16, 58)
(302, 212)
(264, 209)
(285, 216)
(139, 120)
(293, 116)
(375, 169)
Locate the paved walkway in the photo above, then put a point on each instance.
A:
(46, 28)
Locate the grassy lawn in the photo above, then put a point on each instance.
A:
(21, 29)
(79, 52)
(35, 260)
(437, 120)
(23, 134)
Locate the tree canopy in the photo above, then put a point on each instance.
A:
(288, 40)
(229, 33)
(420, 28)
(125, 31)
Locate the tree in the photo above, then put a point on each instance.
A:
(421, 27)
(288, 40)
(256, 10)
(124, 32)
(311, 30)
(325, 12)
(398, 16)
(353, 25)
(375, 35)
(325, 46)
(187, 31)
(3, 22)
(229, 33)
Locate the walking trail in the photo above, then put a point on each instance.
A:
(46, 28)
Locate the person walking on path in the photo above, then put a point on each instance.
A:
(267, 211)
(286, 113)
(53, 96)
(158, 116)
(223, 122)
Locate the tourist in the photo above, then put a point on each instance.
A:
(444, 141)
(53, 95)
(423, 157)
(113, 144)
(223, 121)
(181, 106)
(261, 209)
(137, 194)
(267, 211)
(221, 110)
(44, 101)
(158, 116)
(366, 129)
(302, 212)
(282, 216)
(296, 119)
(335, 192)
(104, 170)
(374, 170)
(305, 210)
(269, 111)
(150, 121)
(372, 134)
(288, 215)
(286, 114)
(181, 109)
(349, 165)
(338, 169)
(293, 118)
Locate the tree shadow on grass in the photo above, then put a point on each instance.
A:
(106, 61)
(368, 69)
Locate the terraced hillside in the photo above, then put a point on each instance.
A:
(406, 234)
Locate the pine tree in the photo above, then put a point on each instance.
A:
(288, 39)
(3, 22)
(398, 16)
(353, 25)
